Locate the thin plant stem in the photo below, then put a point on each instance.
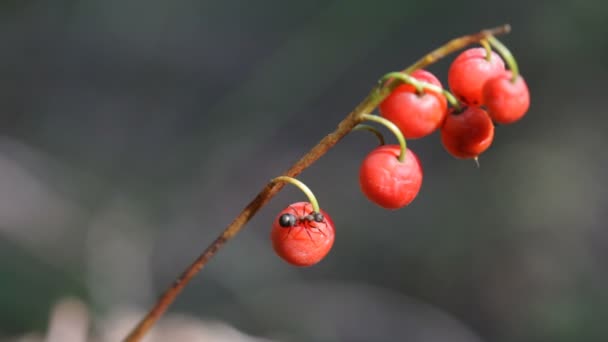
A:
(305, 189)
(369, 103)
(421, 86)
(508, 57)
(394, 129)
(374, 130)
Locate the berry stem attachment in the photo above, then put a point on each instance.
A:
(393, 128)
(405, 78)
(507, 56)
(305, 189)
(367, 105)
(377, 133)
(486, 45)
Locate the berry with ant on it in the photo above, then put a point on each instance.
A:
(467, 133)
(301, 236)
(469, 72)
(417, 112)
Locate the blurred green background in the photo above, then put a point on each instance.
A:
(132, 132)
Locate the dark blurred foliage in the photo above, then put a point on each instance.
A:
(133, 131)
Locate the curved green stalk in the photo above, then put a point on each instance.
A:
(405, 78)
(305, 189)
(507, 56)
(377, 133)
(486, 45)
(393, 128)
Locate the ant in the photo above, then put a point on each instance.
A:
(306, 221)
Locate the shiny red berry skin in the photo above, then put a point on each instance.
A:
(307, 242)
(467, 134)
(416, 115)
(428, 77)
(388, 182)
(506, 101)
(469, 72)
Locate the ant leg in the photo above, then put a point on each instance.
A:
(294, 210)
(310, 236)
(304, 209)
(318, 229)
(287, 235)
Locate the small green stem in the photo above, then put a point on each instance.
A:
(393, 128)
(305, 189)
(507, 56)
(486, 45)
(452, 99)
(405, 78)
(364, 127)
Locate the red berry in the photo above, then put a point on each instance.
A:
(428, 77)
(416, 115)
(300, 236)
(507, 101)
(469, 72)
(388, 182)
(467, 134)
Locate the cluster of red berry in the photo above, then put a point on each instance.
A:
(479, 79)
(484, 92)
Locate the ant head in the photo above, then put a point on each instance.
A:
(287, 220)
(318, 217)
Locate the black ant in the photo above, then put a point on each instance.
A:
(289, 220)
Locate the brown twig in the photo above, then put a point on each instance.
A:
(372, 100)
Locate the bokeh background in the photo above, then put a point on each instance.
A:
(132, 132)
